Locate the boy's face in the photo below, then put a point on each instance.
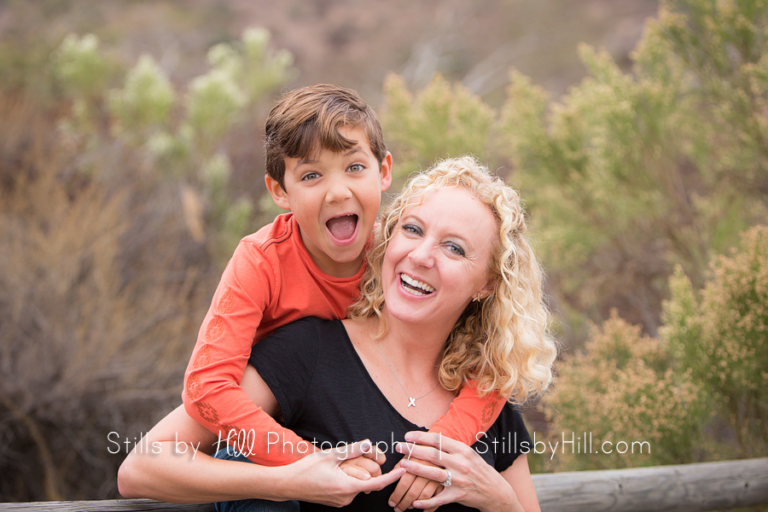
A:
(335, 199)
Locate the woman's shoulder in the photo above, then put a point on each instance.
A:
(511, 419)
(306, 339)
(506, 439)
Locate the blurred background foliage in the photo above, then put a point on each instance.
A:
(131, 164)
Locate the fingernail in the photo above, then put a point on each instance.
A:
(366, 445)
(400, 447)
(409, 437)
(391, 504)
(404, 463)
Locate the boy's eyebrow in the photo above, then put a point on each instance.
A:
(306, 161)
(355, 149)
(303, 161)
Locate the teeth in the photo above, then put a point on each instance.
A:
(416, 284)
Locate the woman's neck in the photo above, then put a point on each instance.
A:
(419, 341)
(404, 364)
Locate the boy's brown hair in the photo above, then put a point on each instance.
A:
(307, 120)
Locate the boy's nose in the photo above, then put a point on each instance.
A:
(338, 191)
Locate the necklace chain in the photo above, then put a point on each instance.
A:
(411, 400)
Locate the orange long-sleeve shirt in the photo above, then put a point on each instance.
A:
(271, 281)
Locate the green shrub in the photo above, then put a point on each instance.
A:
(623, 387)
(442, 121)
(722, 337)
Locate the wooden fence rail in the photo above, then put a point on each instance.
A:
(683, 488)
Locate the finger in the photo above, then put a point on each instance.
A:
(356, 471)
(425, 453)
(368, 465)
(350, 451)
(413, 493)
(442, 443)
(429, 490)
(432, 503)
(379, 482)
(376, 455)
(436, 474)
(440, 489)
(402, 487)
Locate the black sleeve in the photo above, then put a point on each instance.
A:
(513, 437)
(286, 360)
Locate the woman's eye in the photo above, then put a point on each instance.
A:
(356, 167)
(455, 249)
(310, 176)
(410, 228)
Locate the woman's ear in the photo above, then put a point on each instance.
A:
(488, 289)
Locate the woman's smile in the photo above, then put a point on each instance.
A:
(414, 286)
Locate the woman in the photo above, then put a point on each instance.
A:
(452, 293)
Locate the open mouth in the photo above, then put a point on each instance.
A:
(343, 228)
(415, 286)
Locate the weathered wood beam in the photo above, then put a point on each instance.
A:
(681, 488)
(106, 506)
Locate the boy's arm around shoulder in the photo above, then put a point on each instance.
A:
(470, 415)
(212, 393)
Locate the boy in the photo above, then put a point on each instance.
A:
(327, 163)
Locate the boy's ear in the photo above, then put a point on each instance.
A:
(279, 196)
(386, 172)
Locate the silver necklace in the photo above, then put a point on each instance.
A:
(411, 400)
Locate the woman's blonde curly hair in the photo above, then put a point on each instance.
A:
(501, 342)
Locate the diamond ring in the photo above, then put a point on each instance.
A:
(447, 482)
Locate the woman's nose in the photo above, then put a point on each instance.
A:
(422, 255)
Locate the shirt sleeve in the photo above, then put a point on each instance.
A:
(512, 436)
(470, 415)
(212, 394)
(287, 360)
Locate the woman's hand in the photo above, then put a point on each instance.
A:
(191, 475)
(473, 482)
(319, 477)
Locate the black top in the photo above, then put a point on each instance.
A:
(327, 397)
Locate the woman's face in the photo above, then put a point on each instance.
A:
(438, 256)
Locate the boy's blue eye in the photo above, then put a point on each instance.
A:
(310, 176)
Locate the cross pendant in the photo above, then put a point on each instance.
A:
(412, 402)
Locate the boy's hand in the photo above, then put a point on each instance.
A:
(366, 466)
(411, 488)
